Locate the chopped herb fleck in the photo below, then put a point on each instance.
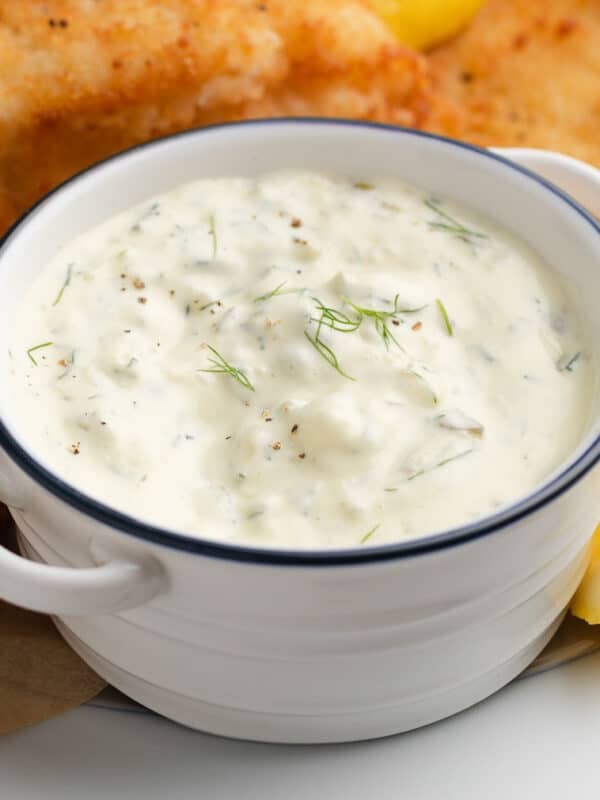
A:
(445, 316)
(567, 363)
(212, 230)
(370, 533)
(37, 347)
(67, 281)
(364, 186)
(277, 291)
(486, 355)
(209, 305)
(439, 464)
(152, 211)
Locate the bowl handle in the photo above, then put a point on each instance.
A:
(113, 586)
(580, 180)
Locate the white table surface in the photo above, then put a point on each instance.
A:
(538, 738)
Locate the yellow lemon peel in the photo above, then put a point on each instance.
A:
(423, 23)
(586, 603)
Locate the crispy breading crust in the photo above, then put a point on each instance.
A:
(526, 73)
(80, 79)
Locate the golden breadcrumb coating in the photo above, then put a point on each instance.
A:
(525, 73)
(81, 79)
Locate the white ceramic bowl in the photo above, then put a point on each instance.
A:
(305, 646)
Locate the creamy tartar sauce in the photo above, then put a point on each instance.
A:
(300, 360)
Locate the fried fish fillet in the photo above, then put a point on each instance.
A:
(80, 79)
(525, 73)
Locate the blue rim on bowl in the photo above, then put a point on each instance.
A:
(327, 558)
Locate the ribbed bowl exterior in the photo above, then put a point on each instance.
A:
(308, 654)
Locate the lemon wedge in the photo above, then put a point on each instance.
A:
(586, 603)
(423, 23)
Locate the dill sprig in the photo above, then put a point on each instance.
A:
(339, 321)
(67, 281)
(277, 291)
(335, 319)
(440, 464)
(326, 352)
(370, 533)
(37, 347)
(451, 225)
(212, 230)
(224, 367)
(380, 318)
(445, 316)
(269, 295)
